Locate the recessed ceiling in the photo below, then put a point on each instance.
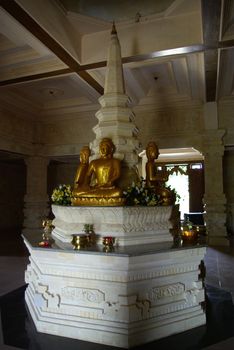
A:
(37, 70)
(116, 10)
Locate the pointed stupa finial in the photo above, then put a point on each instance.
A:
(114, 81)
(113, 31)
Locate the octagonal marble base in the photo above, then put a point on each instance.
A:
(119, 299)
(130, 225)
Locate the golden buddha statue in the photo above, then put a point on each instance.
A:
(154, 178)
(80, 178)
(101, 176)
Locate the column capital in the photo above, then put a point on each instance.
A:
(212, 143)
(36, 160)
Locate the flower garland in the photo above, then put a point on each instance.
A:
(136, 194)
(139, 194)
(62, 195)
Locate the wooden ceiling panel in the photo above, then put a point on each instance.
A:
(31, 57)
(226, 74)
(228, 20)
(32, 67)
(5, 43)
(52, 93)
(17, 55)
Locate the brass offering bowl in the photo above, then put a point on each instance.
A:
(189, 235)
(108, 243)
(79, 241)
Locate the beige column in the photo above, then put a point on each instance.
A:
(36, 198)
(229, 187)
(214, 198)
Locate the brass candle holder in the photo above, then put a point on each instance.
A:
(47, 229)
(108, 243)
(79, 241)
(188, 233)
(46, 235)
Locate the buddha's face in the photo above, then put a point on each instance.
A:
(105, 149)
(84, 156)
(152, 152)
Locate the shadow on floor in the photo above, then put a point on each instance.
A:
(13, 243)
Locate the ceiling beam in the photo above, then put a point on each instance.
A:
(131, 59)
(33, 77)
(211, 14)
(156, 54)
(222, 45)
(36, 30)
(226, 44)
(82, 69)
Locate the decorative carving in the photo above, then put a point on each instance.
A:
(127, 308)
(53, 300)
(158, 271)
(141, 219)
(82, 294)
(166, 291)
(119, 222)
(103, 201)
(144, 306)
(31, 276)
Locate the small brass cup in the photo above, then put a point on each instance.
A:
(79, 241)
(108, 243)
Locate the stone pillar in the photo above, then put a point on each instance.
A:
(229, 189)
(36, 198)
(214, 198)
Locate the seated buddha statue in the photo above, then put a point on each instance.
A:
(155, 178)
(101, 178)
(80, 178)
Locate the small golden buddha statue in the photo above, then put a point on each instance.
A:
(154, 178)
(80, 178)
(101, 177)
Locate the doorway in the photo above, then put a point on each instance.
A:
(185, 168)
(179, 180)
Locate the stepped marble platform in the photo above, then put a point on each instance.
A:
(126, 297)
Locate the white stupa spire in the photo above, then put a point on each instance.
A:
(115, 118)
(114, 81)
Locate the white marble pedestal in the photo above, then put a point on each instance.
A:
(129, 225)
(124, 298)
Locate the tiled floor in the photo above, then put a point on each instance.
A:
(17, 329)
(219, 264)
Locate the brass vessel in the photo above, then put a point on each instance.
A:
(108, 243)
(189, 235)
(79, 241)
